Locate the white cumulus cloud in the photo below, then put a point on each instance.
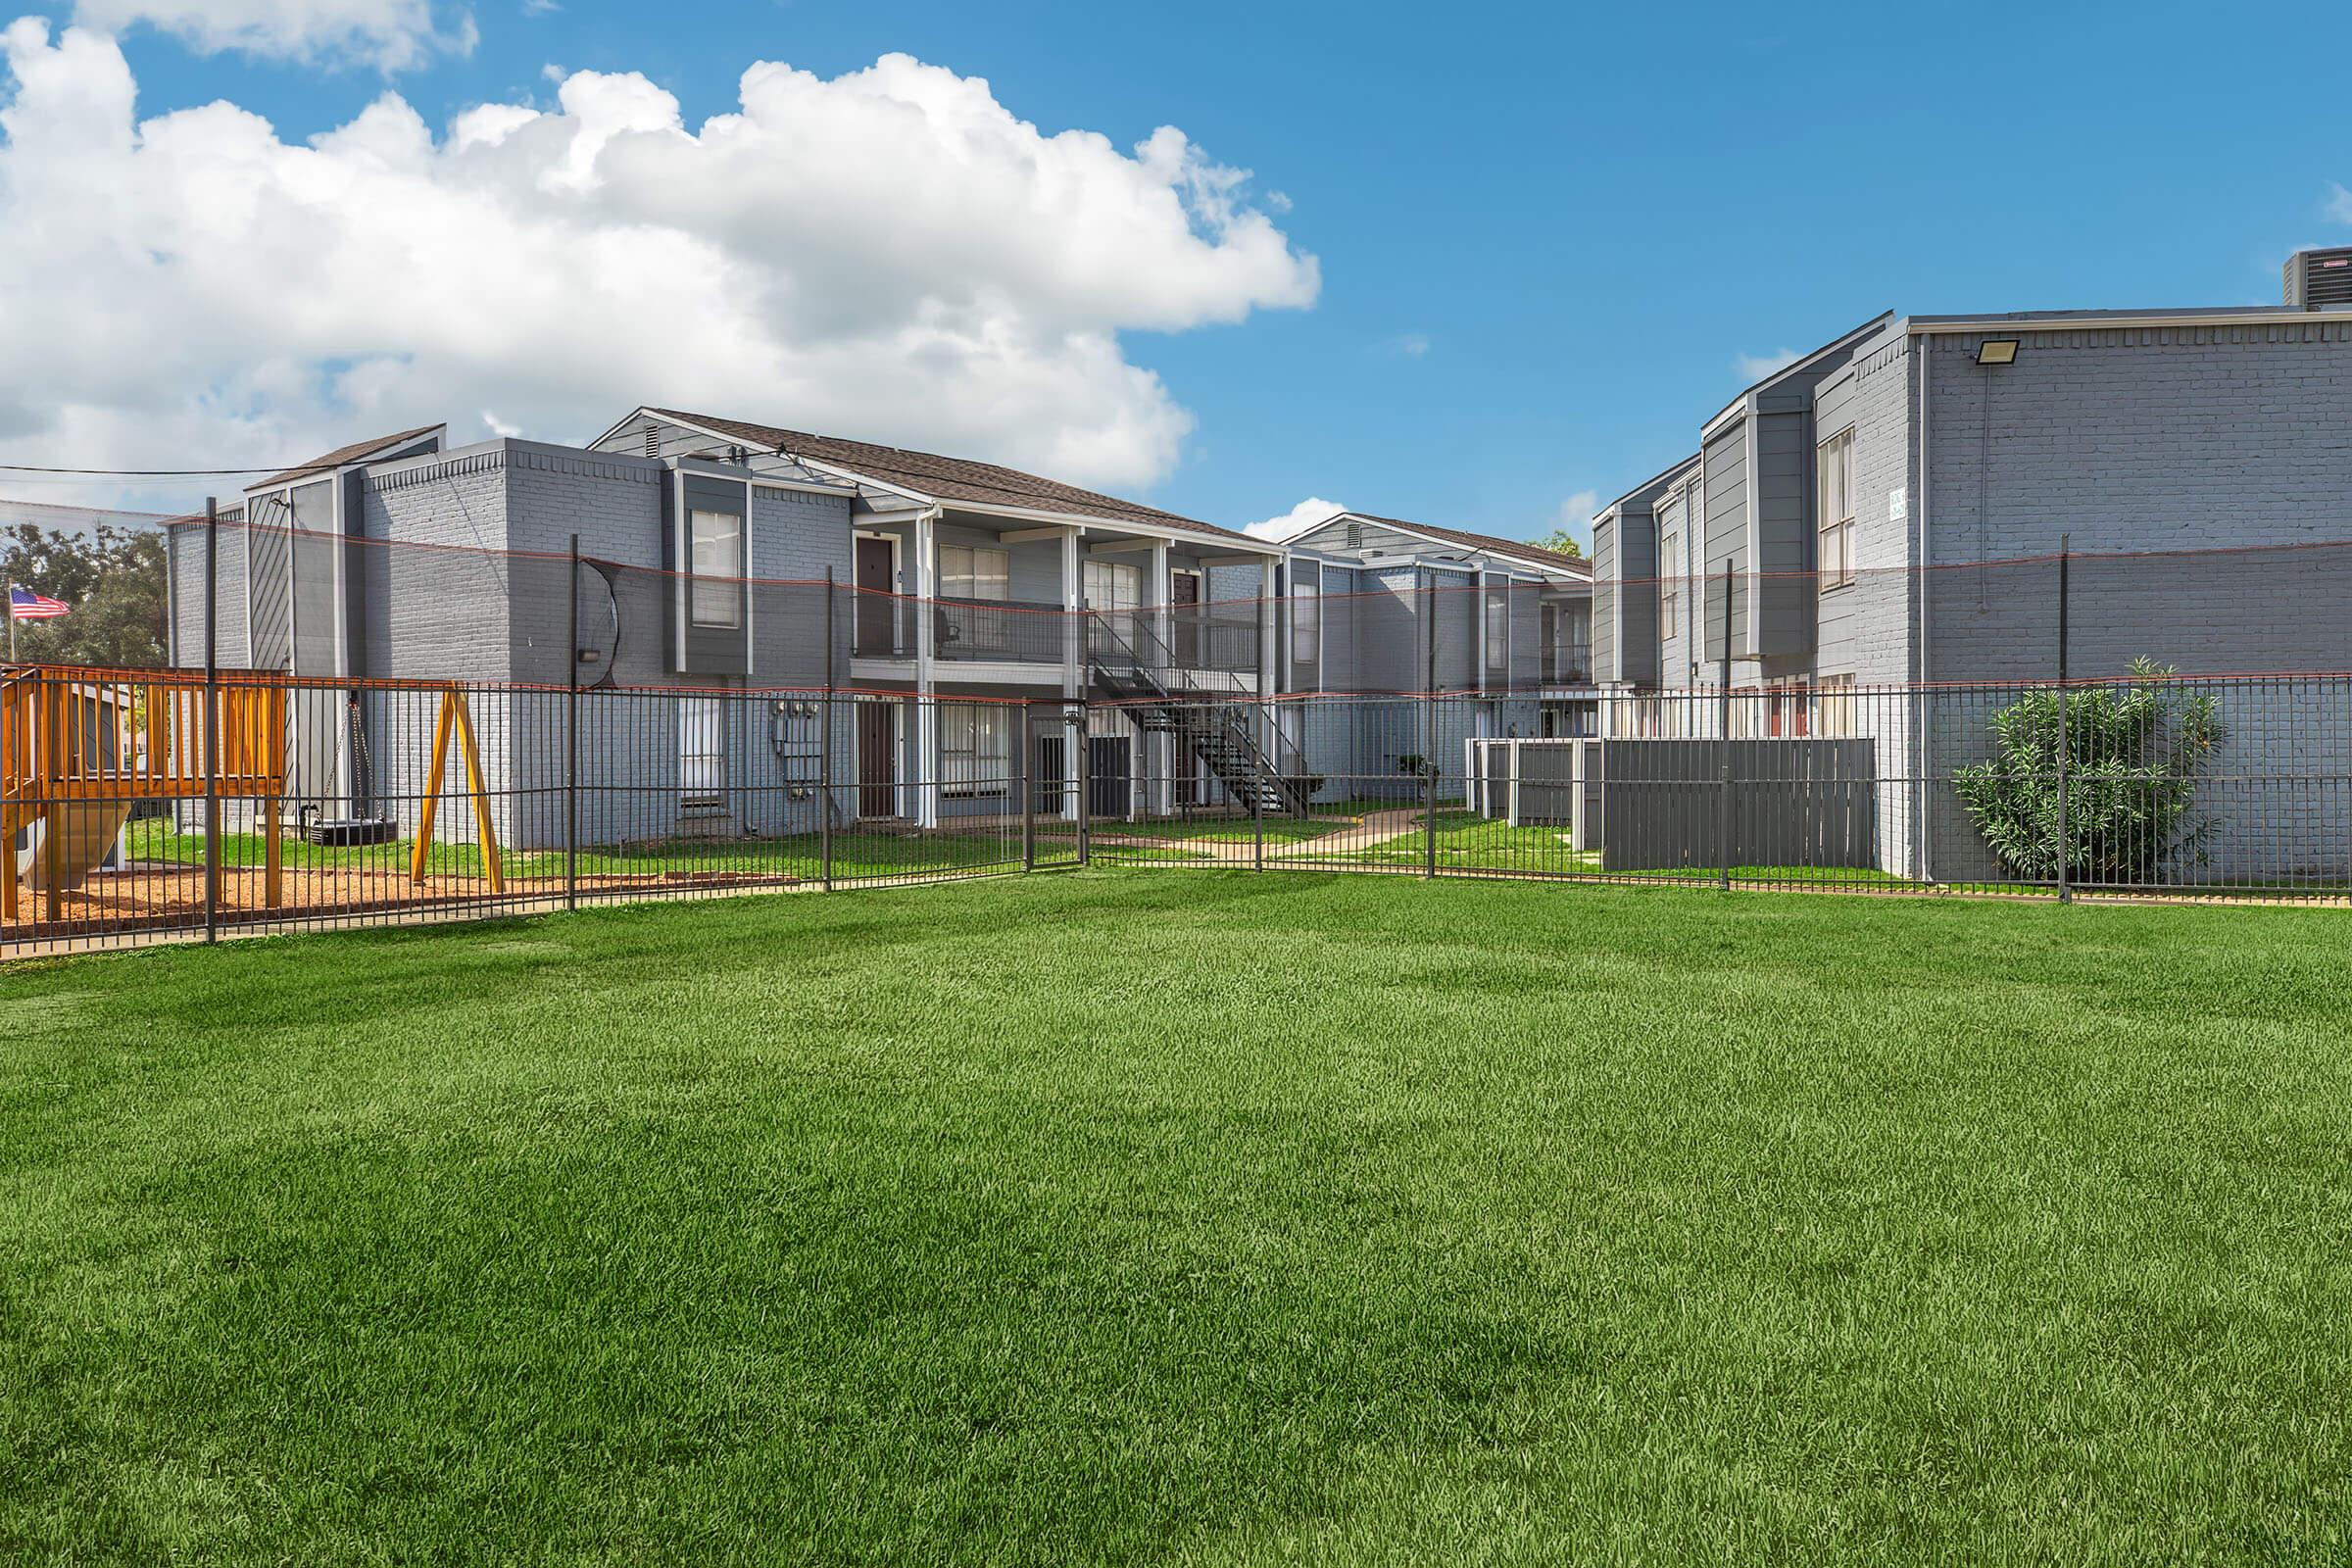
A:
(1301, 517)
(1751, 368)
(1576, 513)
(2339, 204)
(390, 34)
(202, 292)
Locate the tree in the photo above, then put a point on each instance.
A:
(2132, 755)
(1560, 542)
(113, 577)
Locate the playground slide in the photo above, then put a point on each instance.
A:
(92, 832)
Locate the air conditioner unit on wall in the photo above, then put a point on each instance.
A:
(2319, 280)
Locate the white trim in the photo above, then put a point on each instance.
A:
(311, 474)
(1147, 530)
(1022, 536)
(1501, 550)
(2018, 326)
(1753, 537)
(744, 473)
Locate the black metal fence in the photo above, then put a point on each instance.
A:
(142, 805)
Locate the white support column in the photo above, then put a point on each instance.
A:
(926, 731)
(1159, 791)
(1270, 653)
(1073, 654)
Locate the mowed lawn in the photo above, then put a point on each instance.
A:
(1198, 1217)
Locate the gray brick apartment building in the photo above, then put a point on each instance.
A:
(708, 540)
(1848, 498)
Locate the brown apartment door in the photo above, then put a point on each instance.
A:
(1183, 607)
(877, 760)
(877, 612)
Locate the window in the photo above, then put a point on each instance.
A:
(1499, 628)
(716, 540)
(1306, 624)
(1836, 518)
(1670, 587)
(1114, 585)
(975, 743)
(1790, 713)
(702, 751)
(969, 572)
(1836, 705)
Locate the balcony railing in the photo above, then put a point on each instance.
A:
(1568, 665)
(1203, 637)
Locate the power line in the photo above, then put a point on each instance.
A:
(307, 464)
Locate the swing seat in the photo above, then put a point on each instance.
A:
(350, 831)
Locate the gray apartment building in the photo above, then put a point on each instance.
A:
(1888, 510)
(962, 597)
(1376, 607)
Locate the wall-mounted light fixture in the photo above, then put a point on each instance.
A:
(1997, 351)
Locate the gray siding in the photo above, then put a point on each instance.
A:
(1724, 504)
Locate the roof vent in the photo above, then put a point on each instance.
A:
(652, 439)
(2320, 280)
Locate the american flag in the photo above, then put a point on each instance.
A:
(25, 605)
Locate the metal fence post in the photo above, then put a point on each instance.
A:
(1079, 719)
(212, 720)
(1722, 739)
(572, 747)
(825, 753)
(2066, 726)
(1428, 733)
(1257, 828)
(1027, 776)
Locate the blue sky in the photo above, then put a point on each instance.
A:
(1547, 236)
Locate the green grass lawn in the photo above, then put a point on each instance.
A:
(856, 853)
(1102, 1218)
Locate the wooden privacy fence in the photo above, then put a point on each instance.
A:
(1669, 803)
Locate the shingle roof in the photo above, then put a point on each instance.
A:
(1513, 549)
(329, 462)
(947, 478)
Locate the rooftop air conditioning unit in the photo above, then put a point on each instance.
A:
(2319, 280)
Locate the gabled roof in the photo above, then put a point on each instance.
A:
(944, 478)
(357, 452)
(1801, 363)
(1661, 480)
(1517, 550)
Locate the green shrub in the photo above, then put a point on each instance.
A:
(2133, 756)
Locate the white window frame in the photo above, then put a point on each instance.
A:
(730, 583)
(694, 712)
(1670, 588)
(1306, 624)
(975, 572)
(1123, 580)
(1833, 515)
(975, 750)
(1834, 706)
(1498, 621)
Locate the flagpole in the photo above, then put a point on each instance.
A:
(11, 621)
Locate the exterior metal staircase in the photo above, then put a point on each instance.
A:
(1223, 732)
